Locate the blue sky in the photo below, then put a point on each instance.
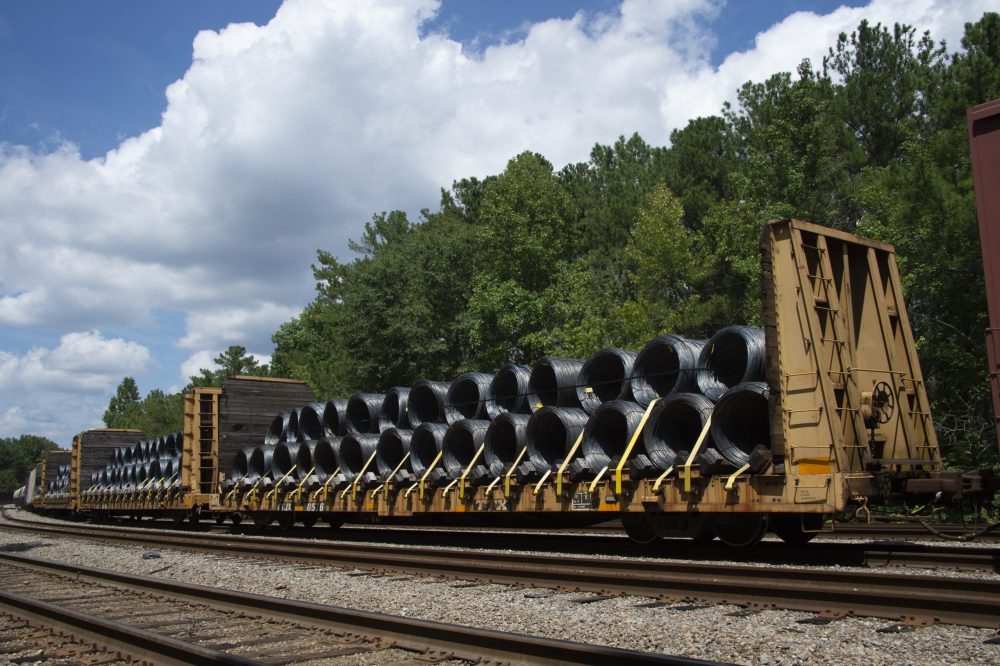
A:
(166, 177)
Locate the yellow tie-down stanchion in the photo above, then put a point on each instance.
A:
(562, 468)
(353, 488)
(732, 477)
(631, 445)
(392, 475)
(694, 453)
(506, 477)
(252, 493)
(461, 480)
(324, 490)
(273, 492)
(302, 484)
(427, 473)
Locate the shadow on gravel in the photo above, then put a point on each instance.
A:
(21, 547)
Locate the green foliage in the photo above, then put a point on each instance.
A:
(158, 413)
(641, 240)
(17, 456)
(233, 361)
(124, 405)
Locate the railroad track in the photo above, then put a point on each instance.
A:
(872, 555)
(173, 622)
(832, 592)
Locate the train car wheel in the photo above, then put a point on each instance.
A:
(309, 520)
(797, 529)
(220, 518)
(334, 523)
(237, 518)
(263, 519)
(742, 530)
(286, 519)
(639, 529)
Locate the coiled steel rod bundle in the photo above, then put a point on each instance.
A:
(426, 444)
(665, 365)
(239, 469)
(260, 467)
(310, 421)
(505, 439)
(553, 383)
(551, 433)
(335, 418)
(735, 354)
(460, 445)
(352, 455)
(278, 430)
(426, 402)
(741, 422)
(466, 397)
(362, 412)
(608, 432)
(393, 446)
(606, 376)
(508, 392)
(324, 460)
(392, 414)
(674, 427)
(284, 464)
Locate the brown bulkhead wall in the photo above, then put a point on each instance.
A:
(51, 466)
(97, 448)
(247, 406)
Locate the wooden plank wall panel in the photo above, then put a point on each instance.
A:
(97, 448)
(246, 408)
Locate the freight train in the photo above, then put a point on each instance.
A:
(822, 410)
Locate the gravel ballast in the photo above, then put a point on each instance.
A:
(710, 632)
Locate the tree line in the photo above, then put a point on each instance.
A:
(643, 239)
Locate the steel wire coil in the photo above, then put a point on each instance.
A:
(304, 458)
(426, 402)
(137, 455)
(608, 431)
(393, 445)
(426, 443)
(362, 412)
(741, 422)
(354, 451)
(285, 457)
(605, 376)
(153, 469)
(508, 392)
(505, 439)
(553, 383)
(127, 455)
(667, 364)
(324, 457)
(335, 418)
(735, 354)
(119, 456)
(392, 414)
(461, 442)
(550, 434)
(173, 445)
(674, 425)
(310, 421)
(240, 466)
(466, 397)
(260, 462)
(276, 431)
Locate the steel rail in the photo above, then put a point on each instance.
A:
(871, 555)
(924, 598)
(115, 636)
(461, 642)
